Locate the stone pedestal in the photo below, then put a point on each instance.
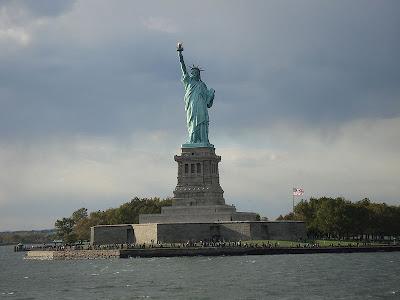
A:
(211, 231)
(198, 195)
(198, 178)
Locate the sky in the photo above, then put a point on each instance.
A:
(92, 112)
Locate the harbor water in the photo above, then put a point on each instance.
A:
(316, 276)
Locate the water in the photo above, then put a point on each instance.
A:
(319, 276)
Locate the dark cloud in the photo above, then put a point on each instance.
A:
(312, 62)
(49, 7)
(39, 8)
(102, 69)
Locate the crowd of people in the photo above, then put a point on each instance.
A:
(188, 244)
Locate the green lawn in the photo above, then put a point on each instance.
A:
(325, 243)
(322, 243)
(280, 243)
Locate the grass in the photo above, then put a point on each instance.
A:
(280, 243)
(322, 243)
(326, 243)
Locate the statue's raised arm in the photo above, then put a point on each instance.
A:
(183, 66)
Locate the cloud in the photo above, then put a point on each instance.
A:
(292, 64)
(61, 173)
(15, 34)
(20, 19)
(70, 172)
(20, 10)
(359, 160)
(306, 93)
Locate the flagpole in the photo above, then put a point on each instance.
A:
(297, 192)
(293, 203)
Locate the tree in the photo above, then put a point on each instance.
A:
(287, 217)
(77, 227)
(64, 229)
(340, 218)
(79, 215)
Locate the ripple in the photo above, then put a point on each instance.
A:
(250, 261)
(244, 277)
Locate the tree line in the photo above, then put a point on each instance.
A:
(26, 237)
(334, 218)
(339, 218)
(77, 226)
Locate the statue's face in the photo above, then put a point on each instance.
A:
(195, 73)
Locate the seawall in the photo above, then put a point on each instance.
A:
(197, 251)
(71, 254)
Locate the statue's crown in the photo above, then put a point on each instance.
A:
(197, 68)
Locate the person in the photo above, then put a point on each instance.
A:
(198, 98)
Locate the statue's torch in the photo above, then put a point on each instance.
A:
(179, 47)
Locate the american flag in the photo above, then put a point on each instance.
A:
(298, 192)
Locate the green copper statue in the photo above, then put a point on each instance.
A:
(197, 100)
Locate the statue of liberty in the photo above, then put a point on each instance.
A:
(197, 100)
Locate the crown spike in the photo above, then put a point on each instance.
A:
(196, 67)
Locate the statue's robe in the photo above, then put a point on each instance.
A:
(197, 99)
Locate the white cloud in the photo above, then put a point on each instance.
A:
(12, 25)
(83, 167)
(18, 35)
(18, 25)
(360, 161)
